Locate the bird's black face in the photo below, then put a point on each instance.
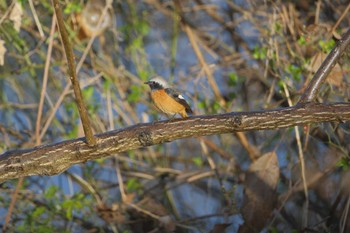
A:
(154, 85)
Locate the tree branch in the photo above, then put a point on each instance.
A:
(56, 158)
(325, 68)
(73, 76)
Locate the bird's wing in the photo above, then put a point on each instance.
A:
(179, 98)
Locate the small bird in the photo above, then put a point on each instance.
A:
(167, 99)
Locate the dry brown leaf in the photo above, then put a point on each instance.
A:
(130, 197)
(113, 214)
(152, 205)
(153, 215)
(335, 77)
(260, 195)
(16, 15)
(2, 52)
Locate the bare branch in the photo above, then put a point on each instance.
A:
(56, 158)
(73, 76)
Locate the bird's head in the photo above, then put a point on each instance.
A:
(157, 83)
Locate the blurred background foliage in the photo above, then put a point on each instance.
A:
(252, 55)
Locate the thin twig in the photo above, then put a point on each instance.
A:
(73, 77)
(340, 19)
(45, 78)
(120, 180)
(302, 162)
(317, 15)
(54, 110)
(36, 19)
(12, 204)
(253, 152)
(8, 11)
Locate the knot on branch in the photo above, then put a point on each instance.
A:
(145, 138)
(236, 120)
(13, 165)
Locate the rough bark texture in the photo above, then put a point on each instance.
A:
(56, 158)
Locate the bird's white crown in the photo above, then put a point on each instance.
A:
(161, 81)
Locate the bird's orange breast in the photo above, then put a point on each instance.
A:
(166, 103)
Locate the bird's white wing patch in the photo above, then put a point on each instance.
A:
(181, 97)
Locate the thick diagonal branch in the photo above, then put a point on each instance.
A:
(56, 158)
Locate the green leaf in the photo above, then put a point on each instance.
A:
(38, 211)
(295, 71)
(273, 230)
(202, 104)
(88, 93)
(134, 96)
(50, 191)
(278, 27)
(133, 184)
(22, 228)
(143, 74)
(107, 84)
(280, 83)
(73, 133)
(259, 53)
(233, 79)
(216, 107)
(326, 46)
(72, 7)
(198, 161)
(144, 28)
(100, 160)
(302, 40)
(70, 205)
(344, 163)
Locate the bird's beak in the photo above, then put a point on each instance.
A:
(148, 82)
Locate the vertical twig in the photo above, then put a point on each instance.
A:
(12, 204)
(73, 77)
(36, 19)
(340, 19)
(302, 162)
(79, 65)
(45, 78)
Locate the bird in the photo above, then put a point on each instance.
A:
(167, 99)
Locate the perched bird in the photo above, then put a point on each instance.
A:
(167, 99)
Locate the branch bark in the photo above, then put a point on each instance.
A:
(56, 158)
